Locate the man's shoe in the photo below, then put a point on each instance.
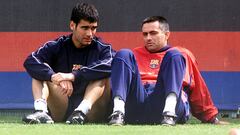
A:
(37, 117)
(77, 117)
(116, 118)
(169, 119)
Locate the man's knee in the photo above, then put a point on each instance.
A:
(99, 83)
(124, 53)
(104, 95)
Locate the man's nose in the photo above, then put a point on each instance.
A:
(148, 37)
(89, 32)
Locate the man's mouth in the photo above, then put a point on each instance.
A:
(149, 44)
(87, 39)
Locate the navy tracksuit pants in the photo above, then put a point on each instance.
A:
(144, 103)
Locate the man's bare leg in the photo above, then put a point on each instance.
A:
(47, 95)
(57, 102)
(40, 94)
(101, 102)
(95, 103)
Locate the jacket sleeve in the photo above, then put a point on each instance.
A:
(202, 106)
(38, 63)
(99, 69)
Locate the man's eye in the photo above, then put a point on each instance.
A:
(85, 27)
(153, 33)
(94, 28)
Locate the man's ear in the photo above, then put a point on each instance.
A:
(72, 25)
(167, 34)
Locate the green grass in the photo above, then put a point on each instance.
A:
(12, 125)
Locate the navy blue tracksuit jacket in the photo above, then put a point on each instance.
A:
(61, 55)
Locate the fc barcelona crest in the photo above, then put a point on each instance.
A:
(154, 63)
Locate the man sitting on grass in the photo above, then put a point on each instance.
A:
(70, 74)
(157, 83)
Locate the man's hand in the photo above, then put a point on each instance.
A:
(67, 88)
(59, 77)
(218, 122)
(64, 80)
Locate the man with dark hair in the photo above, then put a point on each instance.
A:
(70, 74)
(157, 83)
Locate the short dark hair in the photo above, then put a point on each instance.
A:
(164, 26)
(84, 11)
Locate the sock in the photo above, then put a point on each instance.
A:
(40, 104)
(85, 106)
(170, 103)
(119, 104)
